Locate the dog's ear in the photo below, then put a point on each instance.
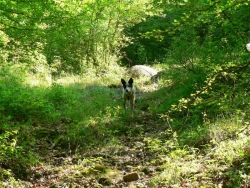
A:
(123, 82)
(131, 81)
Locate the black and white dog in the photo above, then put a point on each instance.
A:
(128, 93)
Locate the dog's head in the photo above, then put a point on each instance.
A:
(128, 86)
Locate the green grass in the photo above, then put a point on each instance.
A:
(213, 164)
(192, 145)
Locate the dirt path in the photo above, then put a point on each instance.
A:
(101, 167)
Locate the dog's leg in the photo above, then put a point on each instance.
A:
(132, 105)
(124, 103)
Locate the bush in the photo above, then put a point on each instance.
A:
(15, 154)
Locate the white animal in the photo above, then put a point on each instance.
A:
(129, 92)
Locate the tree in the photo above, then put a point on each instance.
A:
(70, 36)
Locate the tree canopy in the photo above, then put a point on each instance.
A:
(62, 122)
(69, 35)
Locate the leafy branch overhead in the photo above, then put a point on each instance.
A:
(62, 119)
(73, 34)
(181, 15)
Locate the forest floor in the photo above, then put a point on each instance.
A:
(146, 154)
(105, 166)
(108, 164)
(139, 161)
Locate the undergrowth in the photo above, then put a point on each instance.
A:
(196, 133)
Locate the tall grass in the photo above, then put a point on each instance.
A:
(76, 113)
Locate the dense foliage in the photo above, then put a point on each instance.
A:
(66, 35)
(61, 64)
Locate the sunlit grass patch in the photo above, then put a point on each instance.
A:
(179, 165)
(224, 158)
(230, 150)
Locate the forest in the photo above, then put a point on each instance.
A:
(62, 119)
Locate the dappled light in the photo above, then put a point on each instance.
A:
(124, 94)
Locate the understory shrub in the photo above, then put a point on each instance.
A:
(16, 155)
